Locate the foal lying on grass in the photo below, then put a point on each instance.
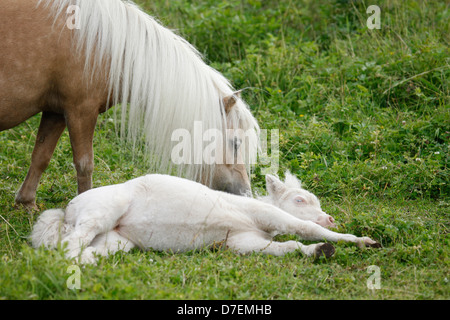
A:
(169, 213)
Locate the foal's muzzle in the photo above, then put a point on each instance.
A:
(326, 221)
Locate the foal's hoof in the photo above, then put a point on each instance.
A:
(367, 242)
(374, 245)
(324, 249)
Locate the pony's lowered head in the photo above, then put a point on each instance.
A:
(238, 149)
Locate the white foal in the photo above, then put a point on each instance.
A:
(169, 213)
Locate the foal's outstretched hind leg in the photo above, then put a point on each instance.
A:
(50, 130)
(92, 215)
(80, 238)
(105, 244)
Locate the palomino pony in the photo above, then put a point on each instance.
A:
(169, 213)
(73, 59)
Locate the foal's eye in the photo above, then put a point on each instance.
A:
(299, 200)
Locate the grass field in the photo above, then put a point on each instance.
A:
(364, 122)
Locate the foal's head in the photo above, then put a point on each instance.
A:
(292, 198)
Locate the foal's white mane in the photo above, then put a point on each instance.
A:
(159, 79)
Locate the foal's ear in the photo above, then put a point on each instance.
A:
(230, 101)
(274, 186)
(291, 181)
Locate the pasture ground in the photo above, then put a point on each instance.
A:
(364, 122)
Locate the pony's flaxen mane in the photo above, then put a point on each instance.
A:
(159, 79)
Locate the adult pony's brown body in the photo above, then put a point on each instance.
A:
(71, 75)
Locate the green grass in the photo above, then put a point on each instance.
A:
(364, 121)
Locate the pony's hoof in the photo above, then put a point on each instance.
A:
(29, 206)
(325, 249)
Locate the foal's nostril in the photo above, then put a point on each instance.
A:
(331, 222)
(326, 221)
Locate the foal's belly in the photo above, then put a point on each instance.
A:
(176, 237)
(176, 225)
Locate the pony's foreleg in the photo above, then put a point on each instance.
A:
(247, 242)
(81, 126)
(50, 129)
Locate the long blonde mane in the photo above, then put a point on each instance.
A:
(159, 79)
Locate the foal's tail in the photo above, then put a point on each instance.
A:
(49, 229)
